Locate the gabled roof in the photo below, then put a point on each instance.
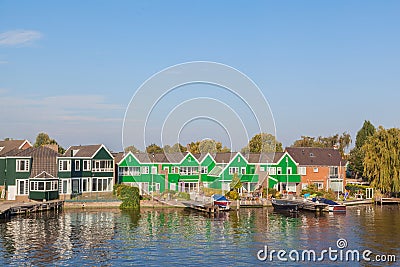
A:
(12, 147)
(118, 156)
(44, 174)
(224, 157)
(44, 159)
(86, 151)
(314, 156)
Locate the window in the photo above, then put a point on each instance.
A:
(304, 186)
(85, 185)
(129, 171)
(238, 159)
(64, 165)
(233, 170)
(44, 185)
(188, 170)
(320, 185)
(272, 170)
(103, 166)
(333, 172)
(204, 169)
(189, 159)
(315, 169)
(243, 170)
(22, 165)
(289, 170)
(174, 170)
(153, 170)
(145, 169)
(77, 165)
(22, 187)
(101, 184)
(172, 187)
(166, 168)
(86, 165)
(302, 170)
(279, 170)
(262, 169)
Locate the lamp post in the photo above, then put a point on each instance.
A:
(287, 177)
(152, 182)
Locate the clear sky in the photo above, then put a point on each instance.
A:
(70, 68)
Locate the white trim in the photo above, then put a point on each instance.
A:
(208, 154)
(283, 155)
(26, 141)
(51, 176)
(272, 178)
(26, 165)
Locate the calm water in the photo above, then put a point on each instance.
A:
(160, 237)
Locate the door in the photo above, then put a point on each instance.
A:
(12, 191)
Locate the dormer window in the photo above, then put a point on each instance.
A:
(311, 154)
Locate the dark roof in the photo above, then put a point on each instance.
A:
(86, 151)
(118, 156)
(313, 156)
(11, 147)
(44, 159)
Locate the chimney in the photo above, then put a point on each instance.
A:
(52, 147)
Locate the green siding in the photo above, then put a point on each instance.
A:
(102, 154)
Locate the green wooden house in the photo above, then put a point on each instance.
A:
(14, 169)
(85, 170)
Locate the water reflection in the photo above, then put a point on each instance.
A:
(155, 237)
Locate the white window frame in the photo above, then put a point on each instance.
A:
(302, 170)
(145, 169)
(166, 168)
(25, 183)
(61, 165)
(304, 186)
(204, 169)
(107, 165)
(315, 170)
(153, 169)
(262, 169)
(289, 170)
(320, 185)
(238, 159)
(172, 186)
(272, 170)
(88, 164)
(233, 170)
(241, 170)
(24, 163)
(278, 170)
(77, 165)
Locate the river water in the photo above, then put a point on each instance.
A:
(163, 237)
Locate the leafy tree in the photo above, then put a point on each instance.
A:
(382, 159)
(44, 139)
(8, 139)
(342, 142)
(174, 149)
(357, 155)
(235, 185)
(194, 147)
(132, 149)
(207, 145)
(263, 143)
(153, 148)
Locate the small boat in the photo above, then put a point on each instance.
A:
(221, 201)
(286, 205)
(332, 205)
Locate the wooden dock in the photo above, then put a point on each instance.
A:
(10, 209)
(200, 206)
(387, 200)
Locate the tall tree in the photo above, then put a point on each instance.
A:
(357, 155)
(44, 139)
(342, 142)
(132, 149)
(176, 148)
(263, 143)
(154, 149)
(382, 159)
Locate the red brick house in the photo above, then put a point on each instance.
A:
(323, 167)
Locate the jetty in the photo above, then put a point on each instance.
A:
(387, 200)
(200, 206)
(10, 209)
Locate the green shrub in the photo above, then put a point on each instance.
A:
(129, 195)
(183, 195)
(233, 194)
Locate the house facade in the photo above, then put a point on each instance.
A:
(14, 169)
(85, 170)
(185, 172)
(322, 167)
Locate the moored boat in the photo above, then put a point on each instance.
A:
(221, 201)
(332, 205)
(286, 205)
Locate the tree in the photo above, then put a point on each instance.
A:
(132, 149)
(44, 139)
(235, 185)
(154, 149)
(263, 143)
(342, 142)
(194, 147)
(177, 148)
(357, 156)
(382, 159)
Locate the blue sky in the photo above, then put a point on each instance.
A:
(70, 68)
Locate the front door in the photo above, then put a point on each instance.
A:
(12, 191)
